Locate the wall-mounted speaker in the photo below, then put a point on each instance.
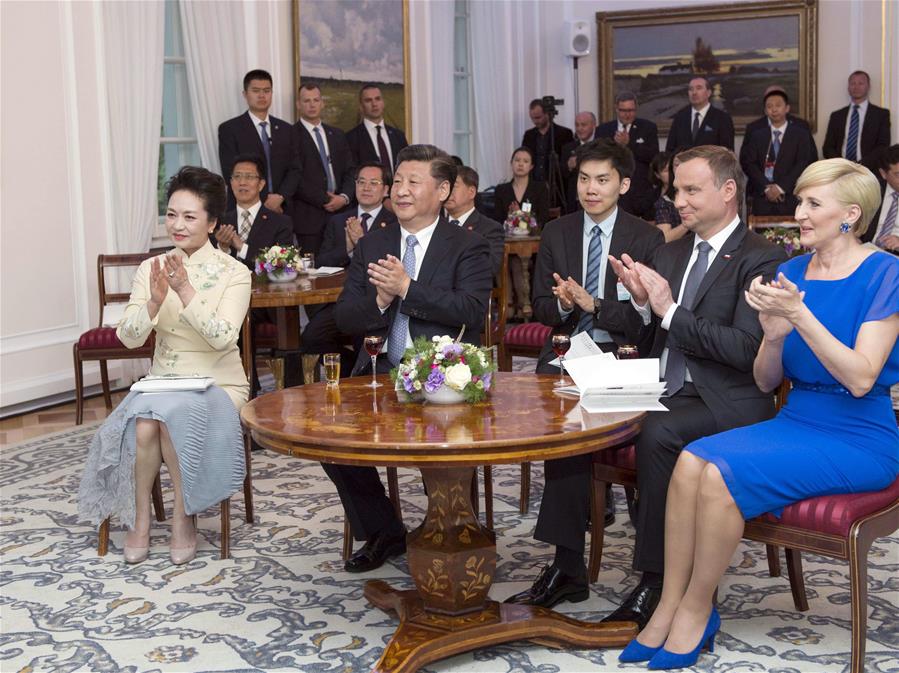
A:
(577, 38)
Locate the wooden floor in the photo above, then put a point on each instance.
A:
(53, 419)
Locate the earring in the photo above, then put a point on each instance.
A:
(844, 228)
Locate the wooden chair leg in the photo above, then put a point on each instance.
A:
(226, 528)
(347, 540)
(104, 380)
(859, 544)
(475, 496)
(158, 506)
(524, 500)
(103, 539)
(773, 560)
(597, 527)
(79, 386)
(797, 582)
(393, 492)
(488, 495)
(248, 481)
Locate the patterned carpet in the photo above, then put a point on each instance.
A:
(283, 603)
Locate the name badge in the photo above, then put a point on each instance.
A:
(623, 294)
(526, 207)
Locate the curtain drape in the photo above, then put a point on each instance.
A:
(431, 49)
(133, 52)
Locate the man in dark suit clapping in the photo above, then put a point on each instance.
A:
(641, 137)
(420, 277)
(328, 168)
(862, 135)
(257, 132)
(374, 140)
(699, 123)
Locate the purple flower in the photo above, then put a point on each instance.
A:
(435, 380)
(452, 350)
(407, 384)
(268, 266)
(486, 379)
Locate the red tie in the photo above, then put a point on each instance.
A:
(382, 150)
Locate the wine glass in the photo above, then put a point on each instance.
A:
(373, 345)
(561, 344)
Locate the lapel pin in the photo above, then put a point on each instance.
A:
(726, 256)
(264, 216)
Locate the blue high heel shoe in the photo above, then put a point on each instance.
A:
(636, 651)
(665, 660)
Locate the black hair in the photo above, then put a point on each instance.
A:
(536, 103)
(606, 149)
(249, 158)
(889, 157)
(522, 149)
(469, 176)
(457, 160)
(441, 167)
(309, 86)
(659, 161)
(209, 187)
(368, 85)
(255, 74)
(860, 72)
(776, 92)
(385, 174)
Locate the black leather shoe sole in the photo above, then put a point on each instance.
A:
(363, 565)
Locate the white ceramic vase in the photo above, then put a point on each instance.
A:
(282, 276)
(444, 395)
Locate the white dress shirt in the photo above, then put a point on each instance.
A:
(373, 134)
(257, 121)
(374, 212)
(463, 217)
(702, 113)
(862, 109)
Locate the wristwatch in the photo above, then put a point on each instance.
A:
(597, 304)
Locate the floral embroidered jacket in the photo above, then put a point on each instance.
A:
(200, 338)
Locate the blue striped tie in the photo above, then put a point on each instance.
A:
(324, 157)
(396, 343)
(591, 280)
(267, 148)
(852, 140)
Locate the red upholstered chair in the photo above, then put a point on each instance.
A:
(101, 343)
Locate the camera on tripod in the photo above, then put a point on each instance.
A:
(550, 103)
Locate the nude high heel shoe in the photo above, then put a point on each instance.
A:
(182, 555)
(136, 554)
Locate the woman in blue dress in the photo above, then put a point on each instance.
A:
(830, 322)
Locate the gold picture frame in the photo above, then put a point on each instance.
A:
(654, 53)
(341, 93)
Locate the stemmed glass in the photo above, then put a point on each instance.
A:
(373, 345)
(561, 344)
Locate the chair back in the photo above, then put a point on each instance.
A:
(495, 322)
(116, 261)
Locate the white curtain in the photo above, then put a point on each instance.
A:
(216, 57)
(133, 50)
(431, 49)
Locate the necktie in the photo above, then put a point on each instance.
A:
(770, 161)
(455, 223)
(365, 218)
(591, 280)
(695, 126)
(326, 165)
(676, 366)
(890, 222)
(396, 343)
(267, 149)
(382, 150)
(245, 225)
(852, 140)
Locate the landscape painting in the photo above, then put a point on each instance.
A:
(342, 44)
(741, 49)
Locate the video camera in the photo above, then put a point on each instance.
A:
(550, 104)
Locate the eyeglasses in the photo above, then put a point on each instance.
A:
(238, 177)
(360, 182)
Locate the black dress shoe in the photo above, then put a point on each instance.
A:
(551, 588)
(638, 607)
(375, 551)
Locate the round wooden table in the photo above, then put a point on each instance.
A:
(452, 557)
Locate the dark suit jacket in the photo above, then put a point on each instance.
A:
(493, 232)
(562, 136)
(239, 136)
(644, 145)
(364, 149)
(452, 289)
(868, 236)
(309, 215)
(794, 156)
(721, 335)
(569, 177)
(333, 250)
(762, 123)
(875, 135)
(269, 228)
(717, 129)
(562, 251)
(537, 193)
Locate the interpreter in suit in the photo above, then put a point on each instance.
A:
(862, 135)
(419, 277)
(641, 137)
(328, 169)
(773, 158)
(460, 208)
(250, 227)
(257, 132)
(762, 122)
(884, 229)
(342, 235)
(576, 290)
(373, 139)
(700, 123)
(697, 322)
(584, 132)
(537, 139)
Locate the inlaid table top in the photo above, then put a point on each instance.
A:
(299, 292)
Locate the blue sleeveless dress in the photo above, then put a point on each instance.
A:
(824, 440)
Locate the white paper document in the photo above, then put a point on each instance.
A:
(581, 346)
(325, 271)
(172, 384)
(606, 384)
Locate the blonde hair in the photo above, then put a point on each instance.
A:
(853, 185)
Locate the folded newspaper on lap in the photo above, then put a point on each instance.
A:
(606, 384)
(172, 384)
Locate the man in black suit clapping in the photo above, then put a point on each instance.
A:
(373, 140)
(328, 168)
(699, 123)
(257, 132)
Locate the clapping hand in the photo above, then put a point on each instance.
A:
(576, 293)
(390, 279)
(563, 293)
(626, 270)
(159, 285)
(657, 288)
(227, 235)
(778, 303)
(622, 137)
(354, 232)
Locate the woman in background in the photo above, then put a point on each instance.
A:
(194, 298)
(667, 218)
